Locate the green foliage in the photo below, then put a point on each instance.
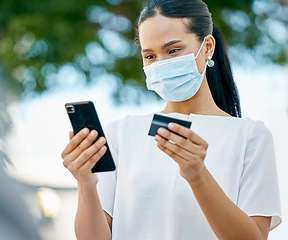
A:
(96, 36)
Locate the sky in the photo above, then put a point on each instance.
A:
(41, 124)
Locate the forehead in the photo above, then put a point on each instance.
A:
(160, 29)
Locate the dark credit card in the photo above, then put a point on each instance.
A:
(163, 121)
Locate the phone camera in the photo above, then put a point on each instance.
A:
(70, 109)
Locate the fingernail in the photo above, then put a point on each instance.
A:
(101, 140)
(171, 125)
(102, 148)
(161, 131)
(85, 131)
(93, 133)
(158, 138)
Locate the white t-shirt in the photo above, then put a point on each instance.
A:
(149, 199)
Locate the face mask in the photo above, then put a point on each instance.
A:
(176, 79)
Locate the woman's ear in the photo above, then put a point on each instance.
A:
(210, 47)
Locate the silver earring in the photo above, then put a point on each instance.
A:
(210, 63)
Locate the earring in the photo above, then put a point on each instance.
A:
(210, 63)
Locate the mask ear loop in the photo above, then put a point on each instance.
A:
(198, 54)
(200, 47)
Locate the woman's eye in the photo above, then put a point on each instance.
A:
(174, 50)
(149, 56)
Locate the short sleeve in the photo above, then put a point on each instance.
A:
(259, 189)
(106, 186)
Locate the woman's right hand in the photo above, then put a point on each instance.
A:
(81, 154)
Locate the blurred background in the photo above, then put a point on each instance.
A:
(53, 52)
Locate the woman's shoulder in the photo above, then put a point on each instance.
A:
(255, 126)
(245, 121)
(258, 129)
(254, 129)
(246, 127)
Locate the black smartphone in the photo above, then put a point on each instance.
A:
(83, 114)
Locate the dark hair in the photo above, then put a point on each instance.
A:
(219, 77)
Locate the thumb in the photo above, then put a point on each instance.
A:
(71, 135)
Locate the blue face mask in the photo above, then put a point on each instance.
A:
(176, 79)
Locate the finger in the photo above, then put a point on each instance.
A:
(90, 163)
(74, 163)
(71, 135)
(90, 153)
(174, 149)
(187, 133)
(173, 155)
(86, 143)
(179, 140)
(84, 169)
(75, 141)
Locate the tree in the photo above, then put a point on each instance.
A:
(96, 36)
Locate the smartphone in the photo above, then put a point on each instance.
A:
(84, 115)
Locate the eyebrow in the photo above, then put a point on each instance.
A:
(164, 46)
(170, 43)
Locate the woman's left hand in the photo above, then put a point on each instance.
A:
(188, 150)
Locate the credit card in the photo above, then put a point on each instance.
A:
(163, 121)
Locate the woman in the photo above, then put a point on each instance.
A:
(215, 180)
